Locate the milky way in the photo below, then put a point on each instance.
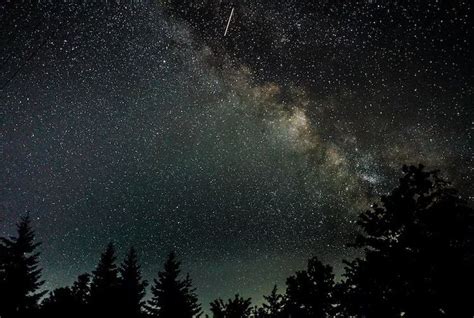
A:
(139, 123)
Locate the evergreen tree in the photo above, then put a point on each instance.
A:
(173, 297)
(273, 307)
(310, 293)
(418, 245)
(104, 292)
(59, 303)
(68, 301)
(233, 308)
(81, 290)
(132, 286)
(19, 272)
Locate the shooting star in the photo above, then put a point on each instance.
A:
(228, 22)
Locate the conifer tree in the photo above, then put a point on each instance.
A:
(273, 307)
(68, 301)
(59, 303)
(104, 292)
(81, 289)
(309, 293)
(20, 275)
(132, 286)
(173, 297)
(238, 307)
(418, 245)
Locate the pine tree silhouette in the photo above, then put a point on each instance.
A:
(59, 303)
(68, 301)
(309, 293)
(132, 286)
(273, 307)
(104, 292)
(237, 307)
(173, 297)
(418, 246)
(81, 291)
(20, 273)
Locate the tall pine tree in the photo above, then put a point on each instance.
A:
(20, 275)
(132, 286)
(173, 297)
(104, 293)
(418, 245)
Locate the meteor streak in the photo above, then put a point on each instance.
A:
(228, 22)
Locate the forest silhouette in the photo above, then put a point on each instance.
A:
(417, 260)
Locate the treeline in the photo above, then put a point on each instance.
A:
(418, 261)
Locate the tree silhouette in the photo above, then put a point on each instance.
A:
(59, 303)
(104, 291)
(68, 301)
(309, 293)
(173, 297)
(81, 290)
(273, 307)
(234, 308)
(132, 286)
(418, 246)
(20, 273)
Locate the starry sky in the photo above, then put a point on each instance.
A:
(139, 122)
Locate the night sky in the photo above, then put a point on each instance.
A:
(140, 123)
